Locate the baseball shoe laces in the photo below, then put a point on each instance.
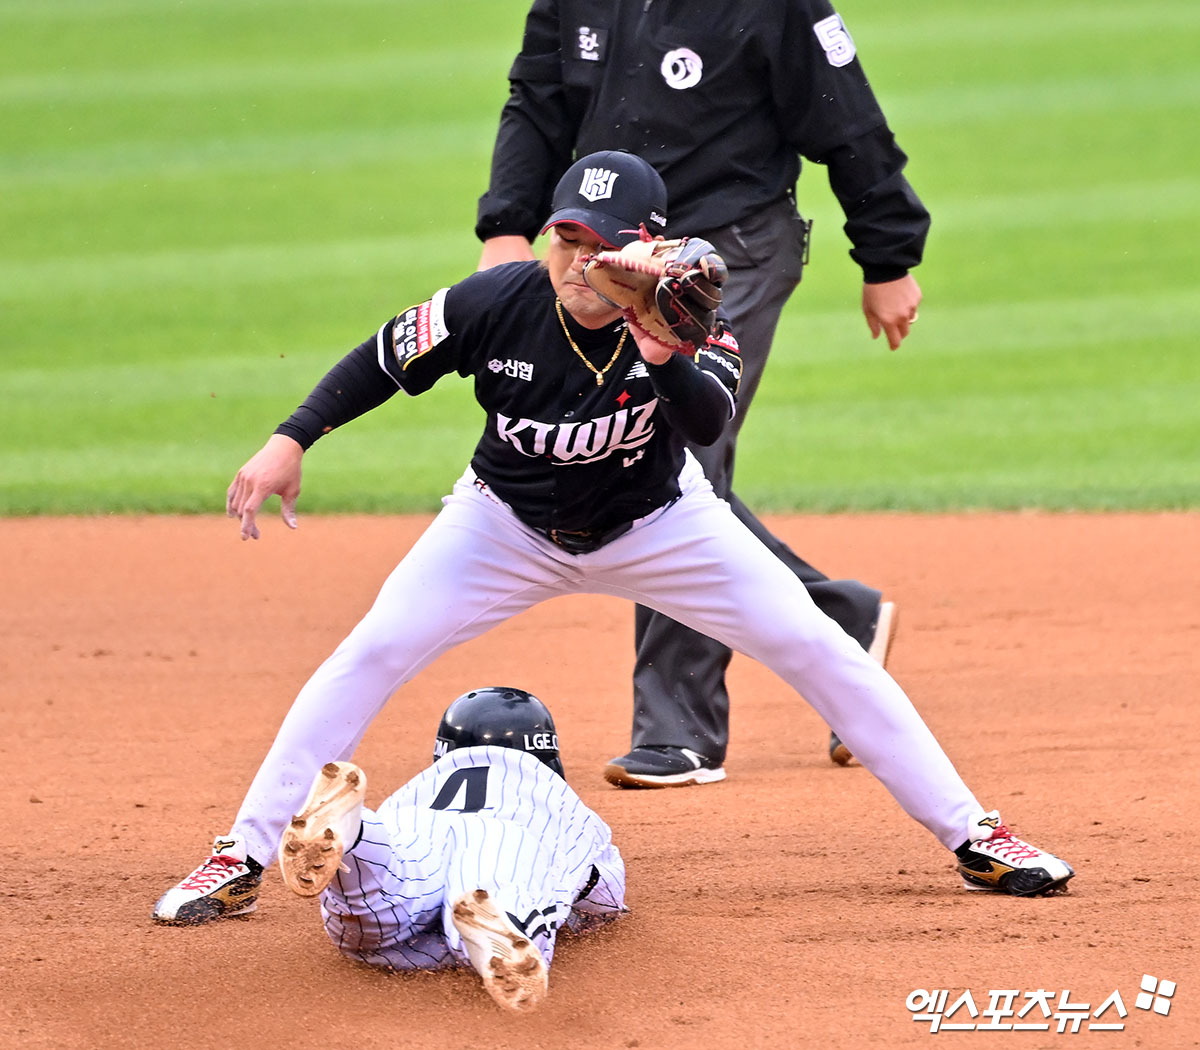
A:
(211, 874)
(1005, 845)
(995, 860)
(224, 885)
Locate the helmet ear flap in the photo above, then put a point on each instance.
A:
(502, 717)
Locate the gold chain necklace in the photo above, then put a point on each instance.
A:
(579, 353)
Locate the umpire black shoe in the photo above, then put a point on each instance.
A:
(656, 766)
(994, 860)
(881, 644)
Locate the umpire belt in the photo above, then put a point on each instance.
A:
(584, 541)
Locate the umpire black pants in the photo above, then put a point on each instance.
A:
(679, 693)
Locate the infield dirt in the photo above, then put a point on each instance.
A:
(146, 663)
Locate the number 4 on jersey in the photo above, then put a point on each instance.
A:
(471, 783)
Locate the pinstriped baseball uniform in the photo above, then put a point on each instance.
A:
(490, 817)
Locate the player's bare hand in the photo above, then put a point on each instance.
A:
(653, 351)
(506, 249)
(891, 308)
(274, 470)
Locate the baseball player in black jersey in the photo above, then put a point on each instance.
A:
(723, 99)
(580, 483)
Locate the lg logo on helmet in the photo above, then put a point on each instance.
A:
(541, 741)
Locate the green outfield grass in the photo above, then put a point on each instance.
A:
(203, 204)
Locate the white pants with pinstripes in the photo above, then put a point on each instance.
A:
(394, 911)
(477, 566)
(492, 818)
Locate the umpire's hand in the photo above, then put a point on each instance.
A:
(891, 308)
(273, 470)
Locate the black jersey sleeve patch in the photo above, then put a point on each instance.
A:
(409, 337)
(591, 44)
(419, 329)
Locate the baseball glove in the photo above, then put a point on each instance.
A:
(668, 289)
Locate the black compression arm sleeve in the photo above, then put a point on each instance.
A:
(355, 385)
(693, 402)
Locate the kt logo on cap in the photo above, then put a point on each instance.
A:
(597, 184)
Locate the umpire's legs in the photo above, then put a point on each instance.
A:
(679, 692)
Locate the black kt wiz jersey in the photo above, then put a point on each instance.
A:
(561, 450)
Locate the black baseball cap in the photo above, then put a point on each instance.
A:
(611, 193)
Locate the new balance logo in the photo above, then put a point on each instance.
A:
(597, 184)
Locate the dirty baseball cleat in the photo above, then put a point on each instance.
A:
(223, 886)
(514, 972)
(994, 860)
(839, 753)
(657, 766)
(329, 823)
(881, 644)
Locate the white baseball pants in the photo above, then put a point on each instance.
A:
(477, 565)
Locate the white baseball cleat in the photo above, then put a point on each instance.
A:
(311, 849)
(223, 886)
(514, 973)
(994, 860)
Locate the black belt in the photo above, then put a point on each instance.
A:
(589, 885)
(584, 541)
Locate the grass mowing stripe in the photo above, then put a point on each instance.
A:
(236, 265)
(958, 333)
(99, 10)
(382, 72)
(1062, 325)
(1019, 23)
(988, 103)
(1123, 202)
(929, 108)
(164, 158)
(1073, 321)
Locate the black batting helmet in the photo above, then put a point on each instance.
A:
(501, 716)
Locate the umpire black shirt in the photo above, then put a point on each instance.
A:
(722, 98)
